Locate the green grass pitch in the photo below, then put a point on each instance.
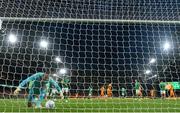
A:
(97, 105)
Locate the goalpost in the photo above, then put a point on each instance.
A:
(118, 56)
(88, 20)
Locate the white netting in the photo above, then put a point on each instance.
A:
(98, 42)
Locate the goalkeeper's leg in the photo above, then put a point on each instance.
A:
(40, 99)
(30, 98)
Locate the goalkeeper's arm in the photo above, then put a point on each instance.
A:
(31, 78)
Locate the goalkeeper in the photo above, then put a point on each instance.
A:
(38, 88)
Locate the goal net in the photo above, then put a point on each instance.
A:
(89, 55)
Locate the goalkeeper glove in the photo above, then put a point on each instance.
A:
(16, 92)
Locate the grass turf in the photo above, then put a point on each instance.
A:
(97, 105)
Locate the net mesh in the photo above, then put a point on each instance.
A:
(110, 45)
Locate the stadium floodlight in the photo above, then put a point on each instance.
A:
(152, 60)
(55, 75)
(12, 38)
(44, 44)
(147, 71)
(152, 77)
(166, 46)
(58, 60)
(63, 71)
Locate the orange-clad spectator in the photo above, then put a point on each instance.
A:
(109, 90)
(152, 93)
(102, 91)
(170, 88)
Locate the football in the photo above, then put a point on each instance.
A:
(50, 104)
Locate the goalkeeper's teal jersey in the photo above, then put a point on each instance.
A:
(31, 84)
(36, 83)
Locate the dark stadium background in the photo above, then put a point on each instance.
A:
(95, 53)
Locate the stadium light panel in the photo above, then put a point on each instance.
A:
(44, 44)
(166, 46)
(147, 71)
(152, 77)
(152, 60)
(55, 75)
(62, 71)
(58, 60)
(12, 38)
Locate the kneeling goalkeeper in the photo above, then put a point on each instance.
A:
(37, 91)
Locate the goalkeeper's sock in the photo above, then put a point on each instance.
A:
(39, 101)
(38, 104)
(29, 104)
